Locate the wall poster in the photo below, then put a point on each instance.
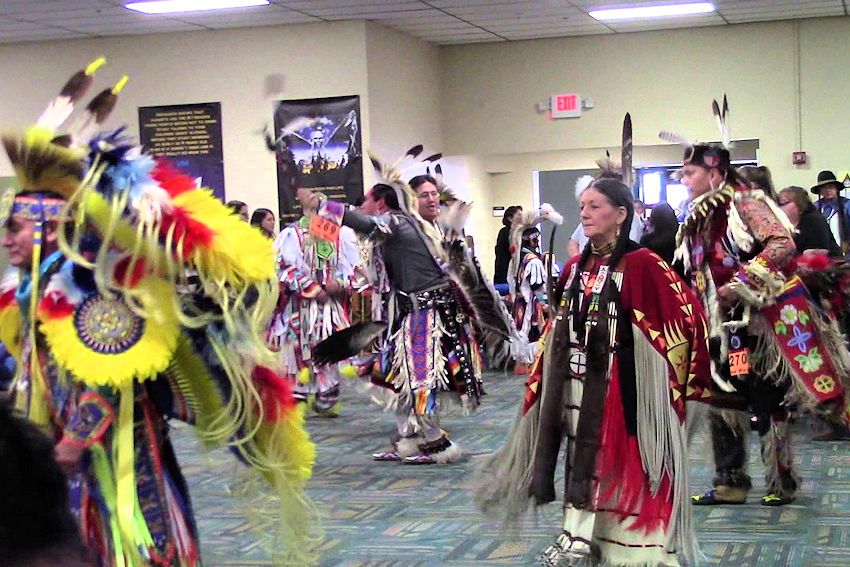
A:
(319, 148)
(189, 135)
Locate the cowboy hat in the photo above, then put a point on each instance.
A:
(826, 178)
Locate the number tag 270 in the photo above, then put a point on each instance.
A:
(739, 362)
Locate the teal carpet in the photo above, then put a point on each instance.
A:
(387, 514)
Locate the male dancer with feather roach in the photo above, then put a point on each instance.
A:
(429, 355)
(495, 331)
(770, 345)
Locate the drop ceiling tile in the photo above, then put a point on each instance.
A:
(553, 35)
(559, 30)
(43, 35)
(41, 6)
(162, 26)
(666, 23)
(347, 7)
(90, 20)
(468, 19)
(425, 28)
(307, 5)
(269, 15)
(417, 18)
(368, 13)
(463, 41)
(766, 4)
(591, 4)
(22, 27)
(533, 5)
(522, 25)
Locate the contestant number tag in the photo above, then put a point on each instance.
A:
(739, 362)
(324, 229)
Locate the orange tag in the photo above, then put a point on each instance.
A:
(739, 362)
(324, 229)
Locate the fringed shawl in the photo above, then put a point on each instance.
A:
(671, 366)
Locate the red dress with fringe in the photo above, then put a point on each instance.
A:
(638, 510)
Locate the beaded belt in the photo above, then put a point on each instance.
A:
(426, 299)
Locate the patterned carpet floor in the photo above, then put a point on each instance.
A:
(387, 514)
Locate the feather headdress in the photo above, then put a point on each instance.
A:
(519, 229)
(392, 175)
(447, 194)
(623, 171)
(707, 154)
(45, 160)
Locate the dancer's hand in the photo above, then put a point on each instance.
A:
(333, 287)
(725, 296)
(68, 454)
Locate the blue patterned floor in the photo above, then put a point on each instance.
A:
(386, 514)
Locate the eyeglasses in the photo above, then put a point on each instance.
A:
(428, 195)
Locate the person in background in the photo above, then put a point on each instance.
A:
(7, 371)
(812, 228)
(640, 211)
(660, 231)
(265, 221)
(738, 253)
(482, 305)
(577, 239)
(577, 242)
(758, 177)
(315, 274)
(239, 208)
(834, 208)
(429, 356)
(503, 244)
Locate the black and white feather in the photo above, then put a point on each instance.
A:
(347, 342)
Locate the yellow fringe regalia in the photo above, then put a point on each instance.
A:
(152, 310)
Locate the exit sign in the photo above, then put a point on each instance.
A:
(566, 105)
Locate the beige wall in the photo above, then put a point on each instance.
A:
(824, 63)
(316, 60)
(404, 92)
(395, 75)
(665, 79)
(476, 102)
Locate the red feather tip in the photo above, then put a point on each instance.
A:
(121, 271)
(192, 233)
(814, 262)
(275, 393)
(170, 178)
(55, 305)
(7, 299)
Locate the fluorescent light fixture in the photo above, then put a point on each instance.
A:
(662, 11)
(175, 6)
